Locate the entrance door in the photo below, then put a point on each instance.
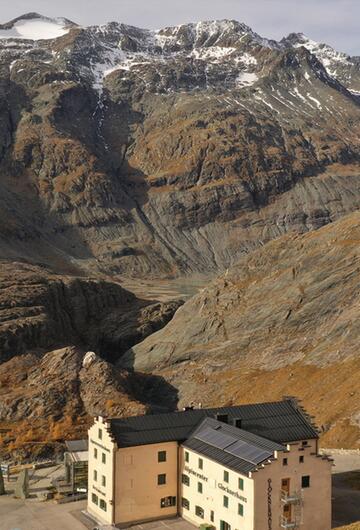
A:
(287, 512)
(224, 525)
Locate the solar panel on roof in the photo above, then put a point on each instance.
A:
(246, 451)
(215, 438)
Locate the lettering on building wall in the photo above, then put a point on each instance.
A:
(198, 475)
(99, 491)
(99, 445)
(231, 492)
(269, 494)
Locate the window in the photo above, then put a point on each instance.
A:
(161, 479)
(185, 480)
(100, 434)
(285, 483)
(224, 418)
(103, 458)
(199, 512)
(212, 516)
(103, 480)
(95, 475)
(103, 505)
(201, 463)
(301, 459)
(226, 501)
(200, 487)
(226, 476)
(168, 501)
(224, 525)
(241, 509)
(305, 481)
(285, 461)
(238, 423)
(185, 503)
(304, 444)
(241, 484)
(95, 452)
(162, 456)
(94, 498)
(186, 456)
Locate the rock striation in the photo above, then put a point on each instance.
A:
(170, 152)
(285, 320)
(40, 310)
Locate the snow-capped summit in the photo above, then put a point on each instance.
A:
(331, 59)
(213, 54)
(33, 26)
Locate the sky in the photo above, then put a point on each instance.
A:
(335, 22)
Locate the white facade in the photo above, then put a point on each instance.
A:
(295, 495)
(217, 483)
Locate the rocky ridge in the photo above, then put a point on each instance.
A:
(47, 323)
(40, 310)
(129, 151)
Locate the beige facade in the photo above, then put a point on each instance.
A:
(147, 482)
(139, 496)
(125, 484)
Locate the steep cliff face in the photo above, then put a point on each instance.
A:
(42, 310)
(285, 320)
(49, 388)
(172, 152)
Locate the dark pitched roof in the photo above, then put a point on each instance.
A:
(280, 421)
(242, 462)
(77, 446)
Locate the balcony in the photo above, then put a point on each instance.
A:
(290, 498)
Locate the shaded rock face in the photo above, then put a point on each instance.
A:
(41, 310)
(172, 152)
(285, 320)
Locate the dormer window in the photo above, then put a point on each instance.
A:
(224, 418)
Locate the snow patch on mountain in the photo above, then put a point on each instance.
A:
(330, 58)
(214, 52)
(36, 29)
(111, 61)
(246, 79)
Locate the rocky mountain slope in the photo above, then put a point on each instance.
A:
(49, 397)
(47, 324)
(285, 320)
(157, 154)
(42, 310)
(169, 152)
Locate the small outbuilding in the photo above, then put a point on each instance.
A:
(76, 460)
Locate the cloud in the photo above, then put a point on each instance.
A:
(331, 21)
